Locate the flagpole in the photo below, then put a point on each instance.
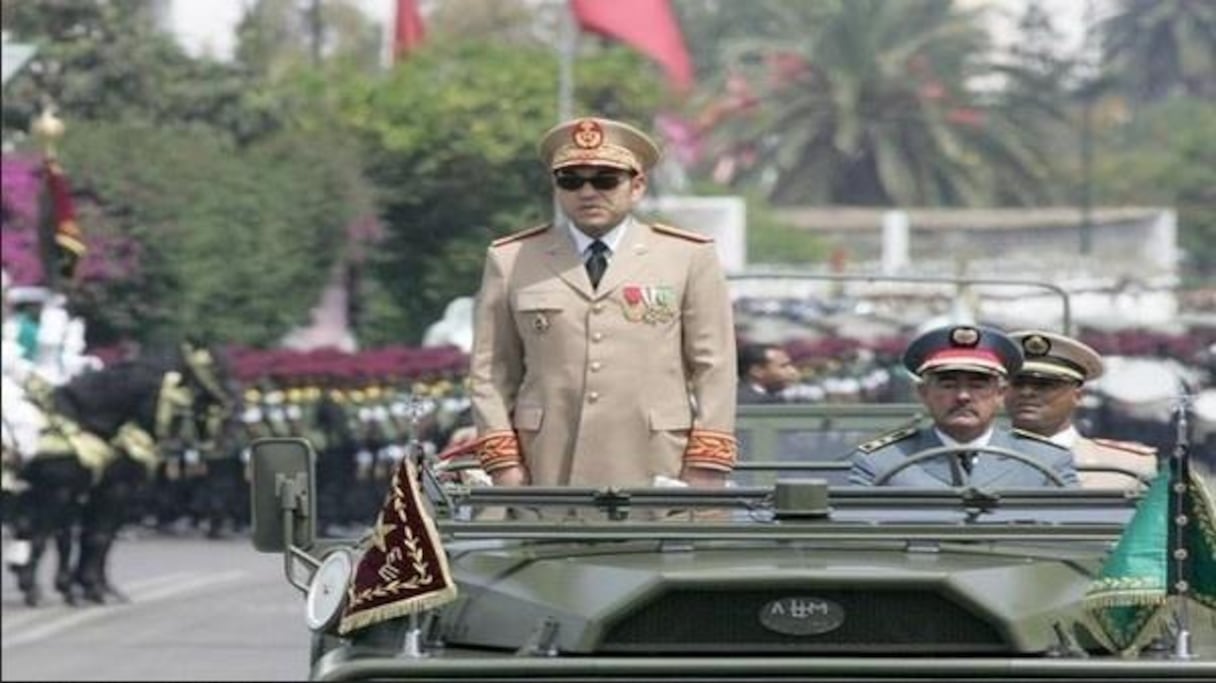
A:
(48, 128)
(1178, 574)
(567, 52)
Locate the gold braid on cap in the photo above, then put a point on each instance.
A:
(498, 451)
(711, 450)
(608, 153)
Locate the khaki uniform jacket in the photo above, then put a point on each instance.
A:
(1134, 457)
(600, 384)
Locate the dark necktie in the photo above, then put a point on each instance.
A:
(967, 458)
(597, 262)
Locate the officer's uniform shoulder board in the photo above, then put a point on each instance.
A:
(522, 234)
(1129, 446)
(683, 234)
(887, 439)
(1022, 433)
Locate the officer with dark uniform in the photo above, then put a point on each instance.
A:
(963, 372)
(1045, 393)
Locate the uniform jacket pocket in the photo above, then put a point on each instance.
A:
(528, 418)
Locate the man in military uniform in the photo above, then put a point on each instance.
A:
(1045, 393)
(963, 373)
(765, 371)
(604, 349)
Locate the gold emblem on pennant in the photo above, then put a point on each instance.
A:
(540, 323)
(1036, 345)
(964, 336)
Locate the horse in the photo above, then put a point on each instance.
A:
(106, 431)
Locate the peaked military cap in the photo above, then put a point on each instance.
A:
(1056, 356)
(591, 141)
(972, 348)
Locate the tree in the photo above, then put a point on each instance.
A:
(1161, 48)
(108, 61)
(1166, 156)
(275, 37)
(873, 105)
(233, 243)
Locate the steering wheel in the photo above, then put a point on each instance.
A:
(957, 476)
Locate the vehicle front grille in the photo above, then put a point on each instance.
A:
(876, 620)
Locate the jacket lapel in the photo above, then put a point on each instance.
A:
(991, 468)
(566, 263)
(939, 467)
(627, 259)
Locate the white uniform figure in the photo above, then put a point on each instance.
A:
(20, 420)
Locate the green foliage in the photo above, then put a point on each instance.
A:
(451, 139)
(1166, 156)
(107, 61)
(871, 102)
(236, 243)
(1160, 48)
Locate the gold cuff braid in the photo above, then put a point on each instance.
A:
(498, 450)
(711, 450)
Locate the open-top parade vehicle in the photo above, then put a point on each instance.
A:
(795, 580)
(787, 575)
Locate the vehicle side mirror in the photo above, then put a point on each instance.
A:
(284, 494)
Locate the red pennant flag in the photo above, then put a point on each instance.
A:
(648, 25)
(409, 30)
(69, 241)
(405, 570)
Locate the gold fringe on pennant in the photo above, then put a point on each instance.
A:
(405, 558)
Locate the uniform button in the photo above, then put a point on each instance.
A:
(597, 308)
(597, 336)
(596, 365)
(593, 397)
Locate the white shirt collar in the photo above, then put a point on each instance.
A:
(1066, 437)
(981, 440)
(612, 238)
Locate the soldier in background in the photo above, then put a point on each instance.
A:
(1044, 395)
(765, 372)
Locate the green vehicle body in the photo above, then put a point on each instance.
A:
(801, 579)
(905, 585)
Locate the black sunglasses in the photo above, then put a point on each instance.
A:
(603, 181)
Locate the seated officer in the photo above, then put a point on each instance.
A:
(963, 372)
(1045, 392)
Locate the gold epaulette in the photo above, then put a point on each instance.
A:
(683, 234)
(887, 439)
(1129, 446)
(1037, 437)
(522, 234)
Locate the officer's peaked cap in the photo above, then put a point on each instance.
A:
(1056, 356)
(971, 348)
(592, 141)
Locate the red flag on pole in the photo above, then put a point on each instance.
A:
(69, 241)
(409, 31)
(649, 26)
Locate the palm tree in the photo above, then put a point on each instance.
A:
(875, 106)
(1163, 47)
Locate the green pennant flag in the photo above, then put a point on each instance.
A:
(1131, 594)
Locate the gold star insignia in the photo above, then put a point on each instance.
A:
(381, 532)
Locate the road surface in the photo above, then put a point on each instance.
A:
(200, 610)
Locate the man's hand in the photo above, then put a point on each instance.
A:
(516, 475)
(701, 478)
